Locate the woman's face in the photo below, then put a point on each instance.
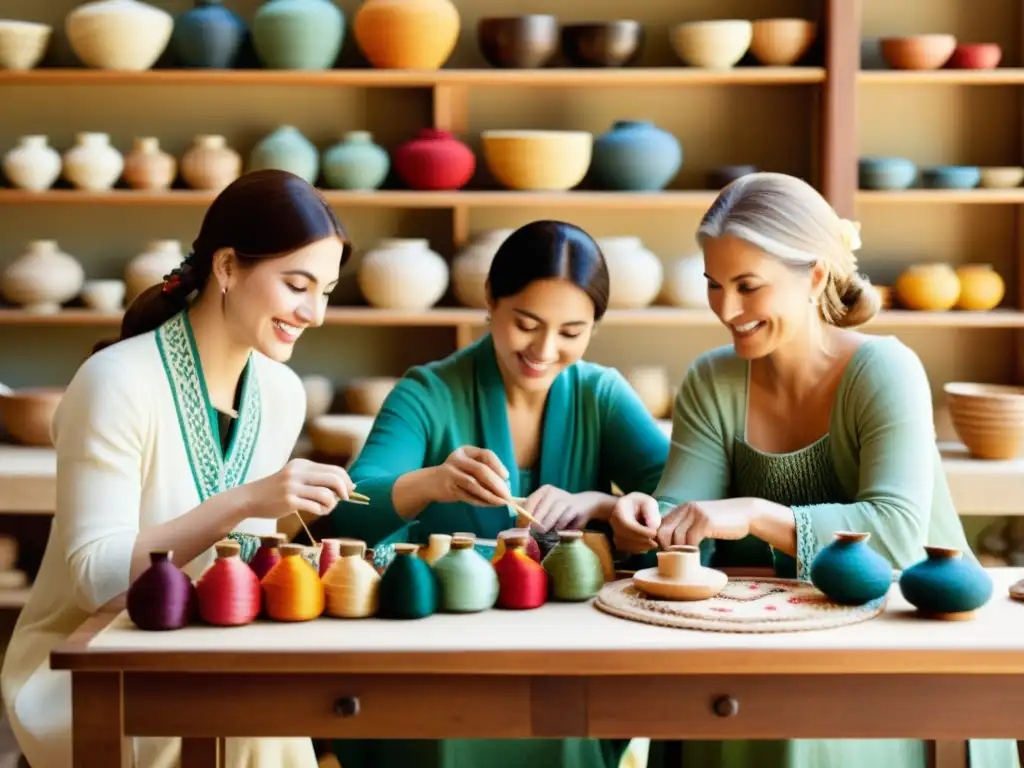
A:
(271, 303)
(763, 302)
(540, 331)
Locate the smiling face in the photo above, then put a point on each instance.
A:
(762, 301)
(272, 301)
(541, 331)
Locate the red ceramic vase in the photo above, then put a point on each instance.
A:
(975, 56)
(435, 160)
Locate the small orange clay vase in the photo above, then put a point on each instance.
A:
(407, 34)
(928, 287)
(981, 287)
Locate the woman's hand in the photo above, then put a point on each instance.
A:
(635, 520)
(300, 486)
(558, 510)
(694, 521)
(473, 475)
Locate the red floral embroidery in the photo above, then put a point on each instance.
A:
(722, 610)
(771, 608)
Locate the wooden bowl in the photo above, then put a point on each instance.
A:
(716, 44)
(28, 413)
(918, 52)
(365, 396)
(1004, 177)
(975, 56)
(614, 43)
(340, 436)
(988, 418)
(781, 42)
(538, 160)
(518, 42)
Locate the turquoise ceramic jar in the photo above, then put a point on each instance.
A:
(636, 156)
(850, 572)
(946, 585)
(466, 580)
(356, 162)
(288, 150)
(298, 34)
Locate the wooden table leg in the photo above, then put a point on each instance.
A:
(948, 754)
(201, 753)
(97, 724)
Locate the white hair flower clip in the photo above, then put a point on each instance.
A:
(850, 232)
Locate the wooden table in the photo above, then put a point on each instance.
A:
(565, 670)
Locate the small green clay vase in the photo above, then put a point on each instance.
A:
(946, 585)
(850, 572)
(467, 582)
(356, 162)
(407, 589)
(298, 34)
(574, 571)
(286, 149)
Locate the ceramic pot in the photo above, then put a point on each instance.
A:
(635, 274)
(684, 284)
(518, 42)
(885, 173)
(928, 287)
(210, 164)
(356, 162)
(366, 395)
(42, 278)
(435, 160)
(849, 572)
(33, 164)
(981, 287)
(574, 571)
(27, 414)
(208, 36)
(286, 149)
(103, 295)
(651, 384)
(781, 42)
(147, 167)
(93, 164)
(298, 34)
(402, 273)
(680, 576)
(636, 156)
(946, 585)
(951, 177)
(319, 395)
(149, 267)
(466, 580)
(23, 44)
(119, 34)
(472, 265)
(406, 34)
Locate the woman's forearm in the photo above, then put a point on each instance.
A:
(601, 504)
(413, 491)
(775, 525)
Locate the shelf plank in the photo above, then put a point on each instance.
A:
(942, 196)
(451, 317)
(631, 77)
(999, 76)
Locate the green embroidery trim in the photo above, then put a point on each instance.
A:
(247, 542)
(806, 543)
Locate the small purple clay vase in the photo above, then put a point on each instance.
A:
(163, 597)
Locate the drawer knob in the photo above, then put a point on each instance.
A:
(347, 706)
(726, 706)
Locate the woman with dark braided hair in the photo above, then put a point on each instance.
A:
(178, 435)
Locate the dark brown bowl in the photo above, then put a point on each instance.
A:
(724, 175)
(602, 43)
(518, 42)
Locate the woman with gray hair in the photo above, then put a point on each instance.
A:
(800, 428)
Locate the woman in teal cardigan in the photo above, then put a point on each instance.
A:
(516, 414)
(799, 429)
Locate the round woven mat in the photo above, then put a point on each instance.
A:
(744, 605)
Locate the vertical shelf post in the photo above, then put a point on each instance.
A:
(838, 161)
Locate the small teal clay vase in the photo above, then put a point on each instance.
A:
(946, 585)
(850, 572)
(467, 582)
(286, 149)
(298, 34)
(356, 163)
(636, 156)
(208, 36)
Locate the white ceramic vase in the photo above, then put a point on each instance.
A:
(634, 273)
(33, 164)
(651, 384)
(471, 266)
(93, 164)
(42, 278)
(685, 285)
(403, 273)
(124, 35)
(149, 267)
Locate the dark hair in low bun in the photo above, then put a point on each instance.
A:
(261, 215)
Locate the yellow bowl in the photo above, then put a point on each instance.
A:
(538, 160)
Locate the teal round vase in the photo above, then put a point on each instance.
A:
(636, 156)
(298, 34)
(356, 163)
(946, 585)
(208, 36)
(407, 588)
(850, 572)
(574, 571)
(286, 149)
(467, 582)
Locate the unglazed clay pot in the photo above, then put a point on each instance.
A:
(635, 274)
(407, 34)
(981, 287)
(33, 164)
(147, 167)
(119, 34)
(149, 267)
(210, 164)
(403, 273)
(928, 287)
(28, 413)
(680, 576)
(93, 164)
(42, 278)
(472, 265)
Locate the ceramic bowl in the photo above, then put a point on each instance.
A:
(724, 175)
(988, 418)
(1005, 177)
(103, 295)
(615, 43)
(365, 396)
(716, 44)
(951, 177)
(518, 42)
(23, 43)
(975, 56)
(917, 52)
(339, 436)
(781, 42)
(28, 413)
(538, 160)
(886, 173)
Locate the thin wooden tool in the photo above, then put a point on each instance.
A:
(524, 513)
(358, 497)
(305, 528)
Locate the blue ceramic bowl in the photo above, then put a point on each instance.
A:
(951, 177)
(886, 173)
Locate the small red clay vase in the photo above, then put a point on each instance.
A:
(435, 160)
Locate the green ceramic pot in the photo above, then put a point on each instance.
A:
(356, 162)
(286, 149)
(467, 582)
(298, 34)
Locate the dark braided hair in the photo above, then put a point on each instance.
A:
(261, 215)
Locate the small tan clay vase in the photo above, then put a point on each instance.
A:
(210, 164)
(981, 287)
(680, 576)
(148, 167)
(407, 34)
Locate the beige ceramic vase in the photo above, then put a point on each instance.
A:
(684, 285)
(635, 274)
(210, 164)
(33, 164)
(42, 278)
(119, 34)
(149, 267)
(652, 386)
(147, 167)
(93, 164)
(407, 34)
(402, 273)
(472, 265)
